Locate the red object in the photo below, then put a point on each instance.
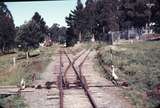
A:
(151, 37)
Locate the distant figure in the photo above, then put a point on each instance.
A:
(22, 84)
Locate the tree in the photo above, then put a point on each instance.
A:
(57, 33)
(30, 34)
(43, 28)
(75, 20)
(96, 18)
(62, 34)
(133, 13)
(156, 16)
(141, 14)
(7, 29)
(54, 32)
(90, 19)
(106, 17)
(71, 38)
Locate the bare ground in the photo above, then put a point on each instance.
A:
(45, 98)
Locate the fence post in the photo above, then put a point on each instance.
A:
(14, 61)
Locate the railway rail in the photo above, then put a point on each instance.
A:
(71, 86)
(81, 78)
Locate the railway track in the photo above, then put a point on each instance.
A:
(72, 83)
(76, 82)
(83, 88)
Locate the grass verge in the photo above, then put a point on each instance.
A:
(139, 64)
(11, 75)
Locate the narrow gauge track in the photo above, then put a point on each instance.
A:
(79, 83)
(65, 84)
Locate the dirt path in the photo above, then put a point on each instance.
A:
(45, 98)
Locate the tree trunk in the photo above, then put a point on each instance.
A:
(139, 30)
(127, 38)
(3, 47)
(27, 55)
(110, 38)
(80, 37)
(103, 29)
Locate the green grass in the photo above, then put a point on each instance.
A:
(6, 61)
(12, 102)
(139, 64)
(10, 75)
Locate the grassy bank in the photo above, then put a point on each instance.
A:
(11, 75)
(12, 102)
(139, 64)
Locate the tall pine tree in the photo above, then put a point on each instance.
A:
(76, 20)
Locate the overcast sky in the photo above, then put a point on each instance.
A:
(51, 11)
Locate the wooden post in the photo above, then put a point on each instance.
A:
(118, 61)
(111, 53)
(80, 37)
(27, 55)
(14, 61)
(103, 29)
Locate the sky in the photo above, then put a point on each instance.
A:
(51, 11)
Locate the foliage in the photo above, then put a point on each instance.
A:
(133, 13)
(156, 16)
(57, 33)
(95, 18)
(76, 21)
(7, 29)
(54, 32)
(29, 35)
